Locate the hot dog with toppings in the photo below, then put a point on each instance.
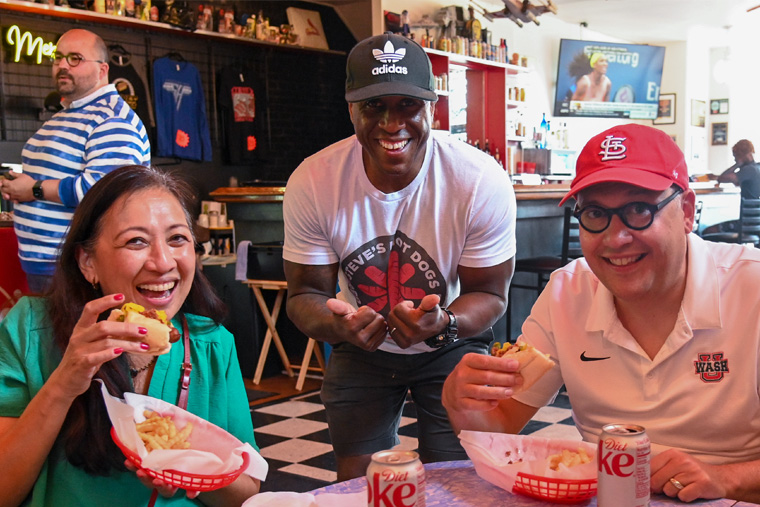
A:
(534, 364)
(161, 332)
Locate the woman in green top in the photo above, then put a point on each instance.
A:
(131, 240)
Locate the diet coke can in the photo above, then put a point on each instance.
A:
(623, 460)
(396, 479)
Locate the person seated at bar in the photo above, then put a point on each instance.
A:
(654, 326)
(745, 173)
(130, 240)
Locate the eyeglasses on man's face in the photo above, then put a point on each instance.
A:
(635, 215)
(73, 59)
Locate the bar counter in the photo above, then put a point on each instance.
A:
(522, 192)
(257, 212)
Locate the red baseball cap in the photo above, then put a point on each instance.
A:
(635, 154)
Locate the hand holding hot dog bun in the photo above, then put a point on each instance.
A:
(534, 364)
(161, 332)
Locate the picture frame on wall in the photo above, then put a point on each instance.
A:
(308, 26)
(698, 113)
(666, 111)
(719, 134)
(719, 106)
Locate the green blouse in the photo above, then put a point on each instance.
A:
(28, 356)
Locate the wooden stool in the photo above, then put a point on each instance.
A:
(272, 335)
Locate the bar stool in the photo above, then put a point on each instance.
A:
(543, 266)
(748, 229)
(272, 335)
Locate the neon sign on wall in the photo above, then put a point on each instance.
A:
(33, 45)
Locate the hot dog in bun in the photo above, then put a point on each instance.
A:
(161, 332)
(533, 363)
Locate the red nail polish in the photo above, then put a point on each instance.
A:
(118, 350)
(119, 297)
(142, 330)
(144, 346)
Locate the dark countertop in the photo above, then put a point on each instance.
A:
(522, 192)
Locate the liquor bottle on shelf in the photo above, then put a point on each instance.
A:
(200, 23)
(543, 132)
(472, 29)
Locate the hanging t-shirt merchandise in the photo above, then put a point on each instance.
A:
(130, 83)
(241, 104)
(181, 126)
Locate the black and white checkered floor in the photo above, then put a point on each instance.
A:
(293, 438)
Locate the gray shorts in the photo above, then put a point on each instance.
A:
(364, 393)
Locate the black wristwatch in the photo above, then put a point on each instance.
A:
(37, 190)
(449, 334)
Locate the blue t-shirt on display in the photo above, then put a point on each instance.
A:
(182, 128)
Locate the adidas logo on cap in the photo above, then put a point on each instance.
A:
(388, 56)
(389, 64)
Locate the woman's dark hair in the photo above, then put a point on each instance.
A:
(85, 433)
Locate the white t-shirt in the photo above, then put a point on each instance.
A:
(699, 394)
(459, 210)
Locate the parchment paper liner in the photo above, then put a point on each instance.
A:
(213, 451)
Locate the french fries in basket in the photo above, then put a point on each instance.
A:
(159, 432)
(568, 458)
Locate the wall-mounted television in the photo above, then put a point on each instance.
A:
(608, 79)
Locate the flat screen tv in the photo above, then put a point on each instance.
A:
(608, 80)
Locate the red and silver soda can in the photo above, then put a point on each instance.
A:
(623, 460)
(396, 479)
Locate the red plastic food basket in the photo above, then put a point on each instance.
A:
(565, 491)
(184, 480)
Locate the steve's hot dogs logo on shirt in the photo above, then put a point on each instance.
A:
(390, 269)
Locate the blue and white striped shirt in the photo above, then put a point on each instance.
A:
(78, 145)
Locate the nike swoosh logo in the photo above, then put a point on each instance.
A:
(584, 357)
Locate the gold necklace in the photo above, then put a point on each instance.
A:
(135, 371)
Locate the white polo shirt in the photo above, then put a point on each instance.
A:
(699, 394)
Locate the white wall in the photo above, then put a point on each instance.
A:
(744, 80)
(541, 45)
(687, 73)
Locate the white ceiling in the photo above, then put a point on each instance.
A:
(645, 20)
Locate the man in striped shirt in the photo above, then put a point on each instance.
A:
(95, 133)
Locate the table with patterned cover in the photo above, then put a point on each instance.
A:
(456, 484)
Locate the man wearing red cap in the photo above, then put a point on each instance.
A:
(653, 326)
(418, 229)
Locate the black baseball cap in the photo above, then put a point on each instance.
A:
(389, 64)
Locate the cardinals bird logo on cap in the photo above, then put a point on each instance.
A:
(389, 54)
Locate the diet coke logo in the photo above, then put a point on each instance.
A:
(389, 489)
(614, 460)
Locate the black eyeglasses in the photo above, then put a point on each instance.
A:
(635, 215)
(73, 59)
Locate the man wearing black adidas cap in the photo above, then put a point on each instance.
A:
(418, 229)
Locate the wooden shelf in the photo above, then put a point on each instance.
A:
(123, 21)
(486, 96)
(474, 63)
